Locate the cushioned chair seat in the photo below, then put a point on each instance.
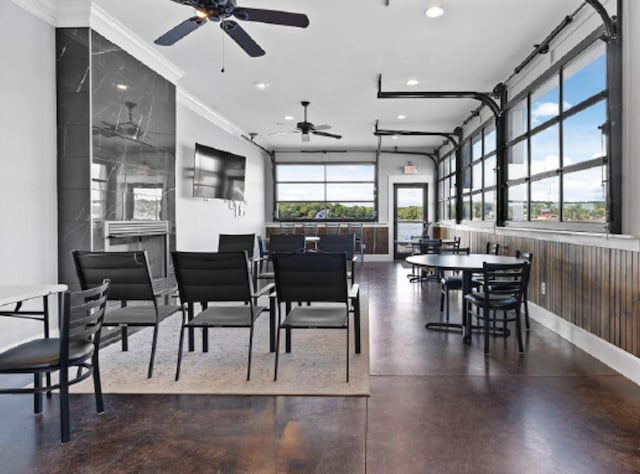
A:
(41, 354)
(496, 301)
(225, 316)
(138, 315)
(452, 282)
(310, 316)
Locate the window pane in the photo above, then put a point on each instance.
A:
(344, 210)
(476, 147)
(299, 210)
(584, 196)
(444, 210)
(517, 120)
(545, 197)
(452, 187)
(545, 102)
(518, 163)
(300, 172)
(466, 208)
(452, 209)
(489, 206)
(490, 172)
(477, 176)
(489, 139)
(517, 202)
(350, 173)
(300, 192)
(476, 205)
(545, 155)
(583, 140)
(466, 179)
(445, 167)
(452, 161)
(585, 76)
(466, 154)
(350, 192)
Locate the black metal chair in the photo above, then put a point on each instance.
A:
(81, 316)
(346, 244)
(262, 269)
(502, 290)
(427, 246)
(528, 256)
(452, 282)
(317, 278)
(206, 277)
(130, 276)
(237, 243)
(356, 228)
(493, 249)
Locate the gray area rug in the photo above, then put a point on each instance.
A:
(316, 365)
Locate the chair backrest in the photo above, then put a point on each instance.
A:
(338, 243)
(236, 243)
(528, 256)
(493, 249)
(428, 246)
(211, 276)
(128, 272)
(355, 228)
(82, 313)
(312, 277)
(310, 229)
(286, 243)
(262, 250)
(454, 250)
(287, 228)
(456, 241)
(332, 228)
(504, 279)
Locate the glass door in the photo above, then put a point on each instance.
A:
(409, 216)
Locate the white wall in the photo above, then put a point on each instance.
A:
(28, 209)
(199, 222)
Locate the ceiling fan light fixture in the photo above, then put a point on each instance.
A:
(434, 11)
(261, 85)
(394, 137)
(412, 82)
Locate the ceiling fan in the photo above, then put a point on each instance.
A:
(306, 128)
(129, 129)
(221, 11)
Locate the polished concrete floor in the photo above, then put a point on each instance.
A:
(436, 406)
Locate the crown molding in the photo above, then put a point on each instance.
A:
(193, 103)
(42, 9)
(116, 32)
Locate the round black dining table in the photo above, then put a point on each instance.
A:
(468, 265)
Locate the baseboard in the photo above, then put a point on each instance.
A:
(619, 360)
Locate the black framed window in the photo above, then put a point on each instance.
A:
(557, 146)
(447, 193)
(328, 191)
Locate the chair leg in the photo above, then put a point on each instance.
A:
(249, 359)
(153, 350)
(97, 383)
(448, 304)
(347, 347)
(125, 338)
(64, 405)
(275, 369)
(519, 330)
(37, 394)
(356, 324)
(486, 313)
(180, 352)
(441, 300)
(205, 340)
(526, 311)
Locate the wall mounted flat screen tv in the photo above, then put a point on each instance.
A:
(218, 174)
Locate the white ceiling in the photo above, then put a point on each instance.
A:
(335, 62)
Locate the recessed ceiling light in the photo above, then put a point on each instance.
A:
(394, 137)
(402, 117)
(261, 85)
(122, 87)
(412, 82)
(434, 12)
(289, 117)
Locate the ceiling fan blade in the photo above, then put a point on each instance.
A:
(274, 17)
(322, 127)
(325, 134)
(306, 137)
(180, 31)
(240, 36)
